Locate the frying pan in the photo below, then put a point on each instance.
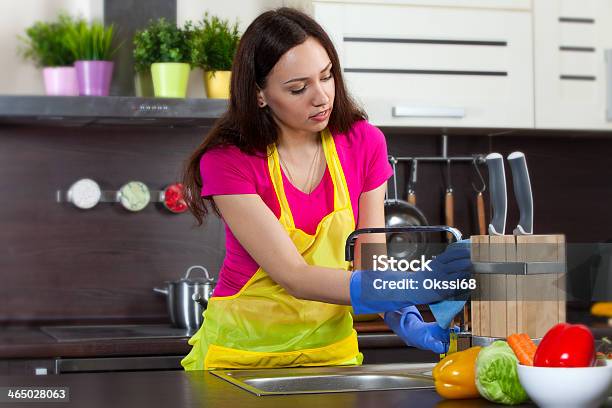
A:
(400, 213)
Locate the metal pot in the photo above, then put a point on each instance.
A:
(400, 213)
(183, 311)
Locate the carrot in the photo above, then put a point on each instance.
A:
(530, 344)
(528, 341)
(523, 347)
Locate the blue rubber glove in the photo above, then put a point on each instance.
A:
(408, 324)
(448, 267)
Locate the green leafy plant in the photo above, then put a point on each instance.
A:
(91, 42)
(45, 43)
(214, 44)
(162, 41)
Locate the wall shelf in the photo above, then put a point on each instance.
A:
(109, 110)
(81, 111)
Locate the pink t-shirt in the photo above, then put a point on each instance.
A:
(226, 170)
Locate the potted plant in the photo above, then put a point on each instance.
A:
(45, 45)
(146, 52)
(164, 47)
(213, 47)
(92, 47)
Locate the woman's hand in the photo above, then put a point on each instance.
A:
(408, 324)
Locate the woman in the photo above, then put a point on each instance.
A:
(292, 168)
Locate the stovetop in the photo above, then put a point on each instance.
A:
(74, 333)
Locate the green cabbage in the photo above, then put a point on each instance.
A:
(496, 374)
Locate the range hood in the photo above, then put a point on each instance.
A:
(109, 110)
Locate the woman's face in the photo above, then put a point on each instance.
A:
(299, 87)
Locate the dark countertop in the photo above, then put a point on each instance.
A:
(202, 389)
(185, 389)
(31, 342)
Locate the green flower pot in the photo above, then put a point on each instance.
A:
(170, 79)
(143, 84)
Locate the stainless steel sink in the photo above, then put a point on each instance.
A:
(315, 380)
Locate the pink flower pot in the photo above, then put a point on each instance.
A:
(60, 81)
(94, 77)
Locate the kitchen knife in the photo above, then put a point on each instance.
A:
(499, 199)
(522, 192)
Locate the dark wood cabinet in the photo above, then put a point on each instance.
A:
(44, 366)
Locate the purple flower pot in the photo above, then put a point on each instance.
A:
(94, 77)
(60, 81)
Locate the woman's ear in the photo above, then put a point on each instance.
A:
(261, 99)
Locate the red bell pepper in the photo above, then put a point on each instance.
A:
(566, 345)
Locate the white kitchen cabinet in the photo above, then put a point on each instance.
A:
(495, 4)
(570, 39)
(411, 64)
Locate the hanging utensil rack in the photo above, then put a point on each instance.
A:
(475, 159)
(444, 157)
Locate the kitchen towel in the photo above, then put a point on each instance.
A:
(445, 310)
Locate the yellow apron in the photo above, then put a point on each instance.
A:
(262, 326)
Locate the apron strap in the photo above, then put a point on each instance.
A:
(286, 219)
(341, 192)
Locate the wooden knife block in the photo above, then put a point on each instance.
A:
(518, 310)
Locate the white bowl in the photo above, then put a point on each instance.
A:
(558, 387)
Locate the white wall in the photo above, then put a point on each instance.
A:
(22, 77)
(243, 11)
(19, 76)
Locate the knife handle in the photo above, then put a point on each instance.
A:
(412, 183)
(480, 211)
(412, 198)
(499, 199)
(449, 213)
(522, 192)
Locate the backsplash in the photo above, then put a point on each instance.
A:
(63, 264)
(570, 175)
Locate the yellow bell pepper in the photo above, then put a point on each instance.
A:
(602, 309)
(455, 375)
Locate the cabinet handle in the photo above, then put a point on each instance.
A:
(608, 55)
(424, 112)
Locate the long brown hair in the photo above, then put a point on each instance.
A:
(244, 124)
